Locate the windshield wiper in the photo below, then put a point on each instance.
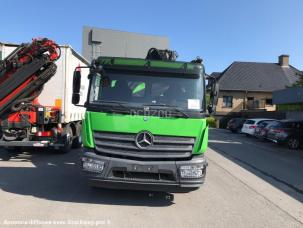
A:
(172, 107)
(118, 103)
(112, 106)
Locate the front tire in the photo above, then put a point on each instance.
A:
(77, 141)
(68, 133)
(293, 143)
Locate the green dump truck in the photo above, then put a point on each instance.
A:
(145, 125)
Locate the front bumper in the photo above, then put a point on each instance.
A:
(278, 139)
(119, 173)
(37, 142)
(42, 143)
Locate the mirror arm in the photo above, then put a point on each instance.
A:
(80, 67)
(83, 106)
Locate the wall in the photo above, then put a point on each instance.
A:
(105, 42)
(297, 115)
(239, 101)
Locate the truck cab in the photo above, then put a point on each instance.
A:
(144, 126)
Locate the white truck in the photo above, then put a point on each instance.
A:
(38, 129)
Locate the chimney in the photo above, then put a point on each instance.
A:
(284, 60)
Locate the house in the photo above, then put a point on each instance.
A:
(250, 85)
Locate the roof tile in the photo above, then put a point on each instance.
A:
(252, 76)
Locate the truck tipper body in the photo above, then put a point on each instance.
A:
(145, 125)
(40, 128)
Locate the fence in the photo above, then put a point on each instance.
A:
(255, 104)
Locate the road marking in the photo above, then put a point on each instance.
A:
(16, 164)
(223, 142)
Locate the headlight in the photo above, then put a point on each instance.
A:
(191, 171)
(92, 165)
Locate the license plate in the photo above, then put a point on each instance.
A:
(38, 145)
(143, 168)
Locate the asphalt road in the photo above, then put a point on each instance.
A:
(249, 184)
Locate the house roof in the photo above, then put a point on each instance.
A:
(253, 76)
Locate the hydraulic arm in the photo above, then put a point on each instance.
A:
(23, 74)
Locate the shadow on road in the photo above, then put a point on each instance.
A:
(57, 177)
(277, 165)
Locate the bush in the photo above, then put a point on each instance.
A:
(290, 107)
(211, 121)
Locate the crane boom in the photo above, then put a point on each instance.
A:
(24, 72)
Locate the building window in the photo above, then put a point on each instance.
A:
(268, 102)
(227, 101)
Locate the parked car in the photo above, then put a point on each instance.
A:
(235, 124)
(288, 132)
(263, 128)
(250, 125)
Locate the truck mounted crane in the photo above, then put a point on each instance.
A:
(23, 74)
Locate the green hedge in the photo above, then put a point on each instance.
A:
(207, 98)
(211, 121)
(290, 107)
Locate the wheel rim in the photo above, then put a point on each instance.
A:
(293, 143)
(69, 136)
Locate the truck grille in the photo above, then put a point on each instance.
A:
(124, 145)
(138, 176)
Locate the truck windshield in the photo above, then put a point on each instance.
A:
(147, 90)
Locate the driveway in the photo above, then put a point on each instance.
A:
(248, 184)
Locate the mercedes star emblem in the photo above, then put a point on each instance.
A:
(144, 139)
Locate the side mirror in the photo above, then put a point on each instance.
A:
(76, 87)
(76, 98)
(210, 109)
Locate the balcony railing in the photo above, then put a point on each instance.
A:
(255, 104)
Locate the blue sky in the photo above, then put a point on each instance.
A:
(220, 31)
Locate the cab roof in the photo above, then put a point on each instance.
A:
(146, 65)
